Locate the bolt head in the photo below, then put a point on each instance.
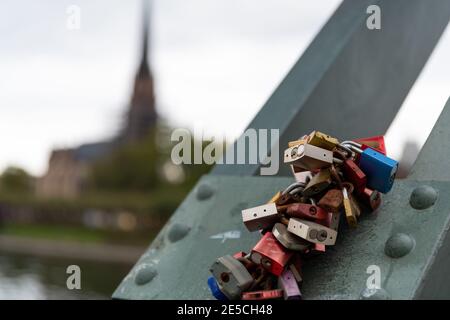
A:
(423, 197)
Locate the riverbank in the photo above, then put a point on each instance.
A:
(71, 249)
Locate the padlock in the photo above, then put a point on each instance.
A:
(263, 295)
(308, 157)
(318, 248)
(306, 211)
(260, 217)
(231, 276)
(289, 285)
(289, 240)
(332, 201)
(295, 266)
(379, 169)
(372, 198)
(318, 183)
(303, 139)
(271, 254)
(215, 290)
(322, 140)
(300, 175)
(332, 220)
(240, 254)
(349, 209)
(376, 142)
(355, 175)
(275, 198)
(312, 232)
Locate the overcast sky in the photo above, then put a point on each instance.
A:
(215, 63)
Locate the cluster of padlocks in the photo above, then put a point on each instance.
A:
(331, 178)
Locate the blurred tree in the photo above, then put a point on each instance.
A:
(17, 180)
(140, 167)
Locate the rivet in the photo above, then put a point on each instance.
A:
(374, 294)
(423, 197)
(145, 275)
(204, 191)
(178, 231)
(399, 245)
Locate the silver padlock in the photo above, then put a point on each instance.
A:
(231, 276)
(312, 232)
(288, 239)
(260, 217)
(308, 157)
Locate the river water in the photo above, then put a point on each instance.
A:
(27, 277)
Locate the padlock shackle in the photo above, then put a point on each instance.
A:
(293, 186)
(352, 147)
(353, 143)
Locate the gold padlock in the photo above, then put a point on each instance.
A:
(322, 140)
(350, 212)
(318, 183)
(275, 198)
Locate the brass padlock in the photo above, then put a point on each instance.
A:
(349, 209)
(308, 157)
(275, 198)
(332, 201)
(318, 183)
(322, 140)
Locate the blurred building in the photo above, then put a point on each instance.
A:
(68, 168)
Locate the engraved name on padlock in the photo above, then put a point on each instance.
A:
(312, 232)
(271, 254)
(308, 157)
(288, 239)
(231, 276)
(288, 284)
(260, 217)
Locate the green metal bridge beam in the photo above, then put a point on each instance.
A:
(351, 74)
(351, 81)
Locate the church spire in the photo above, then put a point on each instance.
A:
(144, 69)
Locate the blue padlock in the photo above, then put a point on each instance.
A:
(379, 169)
(215, 290)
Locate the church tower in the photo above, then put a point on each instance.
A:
(141, 115)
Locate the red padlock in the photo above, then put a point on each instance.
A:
(240, 254)
(371, 198)
(263, 295)
(271, 254)
(355, 175)
(376, 143)
(307, 211)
